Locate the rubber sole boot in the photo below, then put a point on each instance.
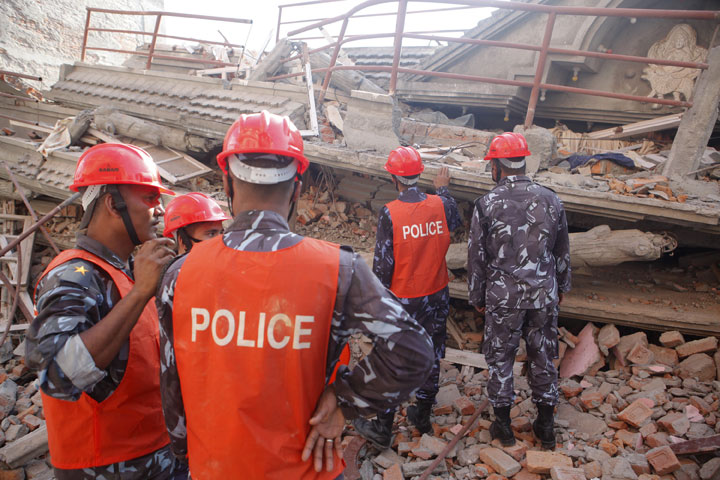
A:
(500, 428)
(378, 431)
(544, 426)
(419, 415)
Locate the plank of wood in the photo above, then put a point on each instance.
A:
(652, 125)
(697, 445)
(25, 448)
(464, 357)
(455, 332)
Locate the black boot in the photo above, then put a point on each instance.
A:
(544, 426)
(378, 431)
(419, 415)
(501, 428)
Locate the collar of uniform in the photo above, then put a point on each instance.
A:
(514, 179)
(259, 220)
(411, 195)
(98, 249)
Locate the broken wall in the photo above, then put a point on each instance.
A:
(38, 37)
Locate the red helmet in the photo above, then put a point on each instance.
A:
(191, 208)
(263, 132)
(508, 145)
(117, 163)
(404, 162)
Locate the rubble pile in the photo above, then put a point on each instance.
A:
(649, 413)
(23, 436)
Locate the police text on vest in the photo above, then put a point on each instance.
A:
(419, 230)
(278, 331)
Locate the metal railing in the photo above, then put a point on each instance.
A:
(544, 48)
(155, 35)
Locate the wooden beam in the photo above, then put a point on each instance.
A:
(652, 125)
(697, 445)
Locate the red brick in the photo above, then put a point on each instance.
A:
(541, 462)
(671, 339)
(663, 460)
(32, 422)
(471, 390)
(608, 447)
(608, 337)
(500, 461)
(639, 463)
(664, 355)
(593, 469)
(707, 344)
(700, 404)
(629, 438)
(464, 406)
(657, 439)
(591, 399)
(636, 413)
(521, 424)
(443, 410)
(18, 474)
(675, 423)
(617, 425)
(567, 473)
(19, 370)
(525, 475)
(640, 355)
(495, 476)
(393, 473)
(571, 388)
(517, 451)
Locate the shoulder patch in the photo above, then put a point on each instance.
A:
(76, 271)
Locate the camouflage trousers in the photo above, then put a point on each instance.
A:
(158, 465)
(503, 329)
(431, 313)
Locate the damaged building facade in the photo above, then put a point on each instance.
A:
(639, 182)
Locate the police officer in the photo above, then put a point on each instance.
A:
(413, 236)
(192, 218)
(95, 338)
(519, 267)
(252, 324)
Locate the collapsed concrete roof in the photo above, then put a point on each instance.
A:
(606, 34)
(205, 105)
(410, 57)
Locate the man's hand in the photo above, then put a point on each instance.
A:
(481, 310)
(327, 423)
(149, 263)
(442, 179)
(560, 296)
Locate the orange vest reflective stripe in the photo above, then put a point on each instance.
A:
(129, 423)
(420, 242)
(251, 333)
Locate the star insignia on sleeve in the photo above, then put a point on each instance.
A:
(81, 269)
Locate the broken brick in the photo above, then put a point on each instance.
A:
(629, 438)
(593, 469)
(701, 405)
(570, 388)
(500, 461)
(464, 406)
(567, 473)
(606, 446)
(541, 462)
(648, 429)
(516, 451)
(581, 359)
(640, 355)
(636, 413)
(671, 339)
(675, 423)
(525, 475)
(393, 473)
(608, 337)
(521, 424)
(591, 399)
(664, 355)
(657, 439)
(663, 460)
(707, 344)
(639, 463)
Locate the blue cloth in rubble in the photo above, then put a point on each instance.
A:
(580, 160)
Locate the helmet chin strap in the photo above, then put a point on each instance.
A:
(292, 202)
(121, 207)
(187, 239)
(230, 194)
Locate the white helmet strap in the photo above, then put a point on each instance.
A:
(514, 163)
(261, 175)
(91, 193)
(406, 180)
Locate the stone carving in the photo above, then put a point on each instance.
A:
(680, 45)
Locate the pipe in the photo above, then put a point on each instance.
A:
(539, 70)
(20, 75)
(170, 14)
(40, 222)
(399, 28)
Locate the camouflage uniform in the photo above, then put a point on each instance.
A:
(430, 311)
(71, 298)
(362, 306)
(518, 260)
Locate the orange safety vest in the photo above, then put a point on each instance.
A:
(129, 423)
(251, 333)
(420, 242)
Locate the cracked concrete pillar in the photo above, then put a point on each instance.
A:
(698, 122)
